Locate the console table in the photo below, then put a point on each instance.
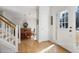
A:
(26, 33)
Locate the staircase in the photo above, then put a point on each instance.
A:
(9, 36)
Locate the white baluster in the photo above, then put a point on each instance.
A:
(2, 29)
(6, 31)
(16, 40)
(9, 36)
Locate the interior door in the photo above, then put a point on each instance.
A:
(66, 29)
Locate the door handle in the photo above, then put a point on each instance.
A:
(70, 30)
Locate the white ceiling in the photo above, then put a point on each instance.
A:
(20, 13)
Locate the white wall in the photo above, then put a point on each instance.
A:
(54, 12)
(50, 26)
(44, 17)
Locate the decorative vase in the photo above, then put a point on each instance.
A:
(25, 25)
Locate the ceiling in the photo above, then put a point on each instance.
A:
(20, 13)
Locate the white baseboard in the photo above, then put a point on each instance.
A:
(40, 40)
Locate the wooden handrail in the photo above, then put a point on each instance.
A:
(7, 21)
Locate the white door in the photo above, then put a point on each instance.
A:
(66, 29)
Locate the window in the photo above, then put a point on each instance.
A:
(77, 18)
(51, 20)
(64, 19)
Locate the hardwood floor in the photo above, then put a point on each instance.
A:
(33, 46)
(57, 49)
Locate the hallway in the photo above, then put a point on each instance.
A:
(52, 28)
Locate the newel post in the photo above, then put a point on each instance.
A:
(16, 38)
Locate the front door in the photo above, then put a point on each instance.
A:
(66, 29)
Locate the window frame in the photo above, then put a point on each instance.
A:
(64, 19)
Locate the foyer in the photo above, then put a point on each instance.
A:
(39, 29)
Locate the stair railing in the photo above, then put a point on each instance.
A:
(9, 35)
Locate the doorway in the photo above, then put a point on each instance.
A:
(66, 28)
